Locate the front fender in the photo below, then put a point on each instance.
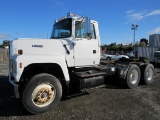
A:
(26, 60)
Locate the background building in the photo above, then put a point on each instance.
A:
(3, 54)
(154, 44)
(154, 40)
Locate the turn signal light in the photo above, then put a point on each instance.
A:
(20, 52)
(20, 65)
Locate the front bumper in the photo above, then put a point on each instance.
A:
(15, 87)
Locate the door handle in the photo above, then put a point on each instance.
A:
(94, 51)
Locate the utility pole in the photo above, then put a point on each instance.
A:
(134, 28)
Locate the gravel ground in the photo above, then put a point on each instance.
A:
(109, 103)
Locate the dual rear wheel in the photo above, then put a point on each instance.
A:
(144, 73)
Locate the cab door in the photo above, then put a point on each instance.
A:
(86, 51)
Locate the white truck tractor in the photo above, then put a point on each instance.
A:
(42, 70)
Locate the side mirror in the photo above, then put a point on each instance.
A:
(87, 28)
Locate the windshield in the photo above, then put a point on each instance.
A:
(62, 29)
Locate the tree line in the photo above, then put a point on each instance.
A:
(5, 43)
(120, 47)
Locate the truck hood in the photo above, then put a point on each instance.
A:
(37, 46)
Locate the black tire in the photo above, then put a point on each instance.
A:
(42, 93)
(147, 74)
(133, 76)
(108, 59)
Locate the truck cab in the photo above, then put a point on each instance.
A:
(71, 53)
(72, 44)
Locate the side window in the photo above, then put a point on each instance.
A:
(79, 30)
(93, 32)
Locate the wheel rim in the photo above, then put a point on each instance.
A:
(149, 74)
(43, 95)
(134, 76)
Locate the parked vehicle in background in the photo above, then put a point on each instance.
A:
(131, 54)
(106, 57)
(113, 57)
(151, 58)
(155, 57)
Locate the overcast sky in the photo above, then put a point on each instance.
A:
(35, 18)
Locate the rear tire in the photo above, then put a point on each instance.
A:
(147, 74)
(42, 93)
(133, 76)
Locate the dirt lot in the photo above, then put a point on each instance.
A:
(109, 103)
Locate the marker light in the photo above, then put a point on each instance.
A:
(20, 65)
(20, 52)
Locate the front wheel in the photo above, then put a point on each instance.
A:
(133, 76)
(42, 93)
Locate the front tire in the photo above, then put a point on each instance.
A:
(133, 76)
(42, 93)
